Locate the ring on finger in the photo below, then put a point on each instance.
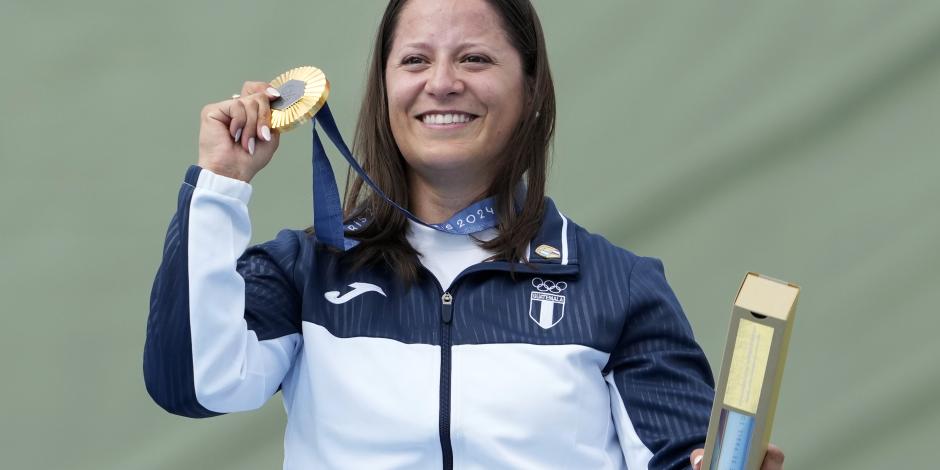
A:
(236, 96)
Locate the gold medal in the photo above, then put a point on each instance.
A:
(303, 92)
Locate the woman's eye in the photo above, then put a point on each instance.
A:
(412, 60)
(477, 59)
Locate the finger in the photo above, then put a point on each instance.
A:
(272, 93)
(267, 148)
(264, 120)
(696, 458)
(250, 132)
(252, 88)
(773, 459)
(239, 116)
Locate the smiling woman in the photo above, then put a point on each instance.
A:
(454, 100)
(482, 329)
(484, 64)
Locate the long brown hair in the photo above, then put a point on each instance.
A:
(384, 241)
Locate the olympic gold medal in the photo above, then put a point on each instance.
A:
(303, 92)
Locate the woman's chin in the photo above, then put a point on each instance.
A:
(458, 166)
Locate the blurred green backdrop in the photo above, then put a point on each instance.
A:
(797, 139)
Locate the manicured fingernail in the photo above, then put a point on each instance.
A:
(272, 92)
(238, 134)
(251, 145)
(266, 133)
(697, 461)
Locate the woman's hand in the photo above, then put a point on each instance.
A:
(773, 459)
(235, 136)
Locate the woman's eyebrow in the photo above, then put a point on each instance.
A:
(474, 45)
(416, 45)
(462, 46)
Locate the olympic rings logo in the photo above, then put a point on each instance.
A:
(549, 286)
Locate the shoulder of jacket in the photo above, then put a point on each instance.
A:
(594, 245)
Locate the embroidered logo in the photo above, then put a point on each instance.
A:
(358, 288)
(546, 304)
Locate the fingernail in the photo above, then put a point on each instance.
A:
(266, 133)
(697, 461)
(251, 145)
(272, 92)
(238, 134)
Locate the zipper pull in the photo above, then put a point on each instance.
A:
(447, 307)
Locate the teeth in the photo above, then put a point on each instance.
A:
(446, 118)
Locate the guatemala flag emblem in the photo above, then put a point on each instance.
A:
(546, 304)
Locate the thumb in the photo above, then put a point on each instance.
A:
(696, 458)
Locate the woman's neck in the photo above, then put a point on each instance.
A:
(436, 201)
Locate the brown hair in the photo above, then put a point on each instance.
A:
(383, 241)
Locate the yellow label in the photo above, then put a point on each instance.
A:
(748, 364)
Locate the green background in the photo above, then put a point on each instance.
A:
(793, 138)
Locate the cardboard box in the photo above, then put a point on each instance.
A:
(751, 372)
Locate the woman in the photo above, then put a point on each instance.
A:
(529, 343)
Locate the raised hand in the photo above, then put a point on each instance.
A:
(235, 136)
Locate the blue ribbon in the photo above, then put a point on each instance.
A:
(327, 208)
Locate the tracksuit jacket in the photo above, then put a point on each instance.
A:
(584, 360)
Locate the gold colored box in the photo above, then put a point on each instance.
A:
(751, 372)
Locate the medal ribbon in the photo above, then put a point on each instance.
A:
(328, 211)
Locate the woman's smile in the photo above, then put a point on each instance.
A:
(446, 122)
(446, 119)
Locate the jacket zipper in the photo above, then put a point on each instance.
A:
(447, 316)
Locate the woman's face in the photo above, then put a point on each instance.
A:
(455, 88)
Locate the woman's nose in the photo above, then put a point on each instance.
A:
(443, 80)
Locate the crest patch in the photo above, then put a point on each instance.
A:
(546, 303)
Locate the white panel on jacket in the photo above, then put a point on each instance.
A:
(504, 392)
(232, 370)
(362, 402)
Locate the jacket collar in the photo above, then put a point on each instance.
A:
(556, 242)
(553, 250)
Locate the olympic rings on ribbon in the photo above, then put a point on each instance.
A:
(549, 286)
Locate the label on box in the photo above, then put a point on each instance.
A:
(748, 365)
(733, 441)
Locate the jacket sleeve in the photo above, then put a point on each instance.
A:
(661, 386)
(224, 322)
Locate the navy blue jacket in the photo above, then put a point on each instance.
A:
(584, 360)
